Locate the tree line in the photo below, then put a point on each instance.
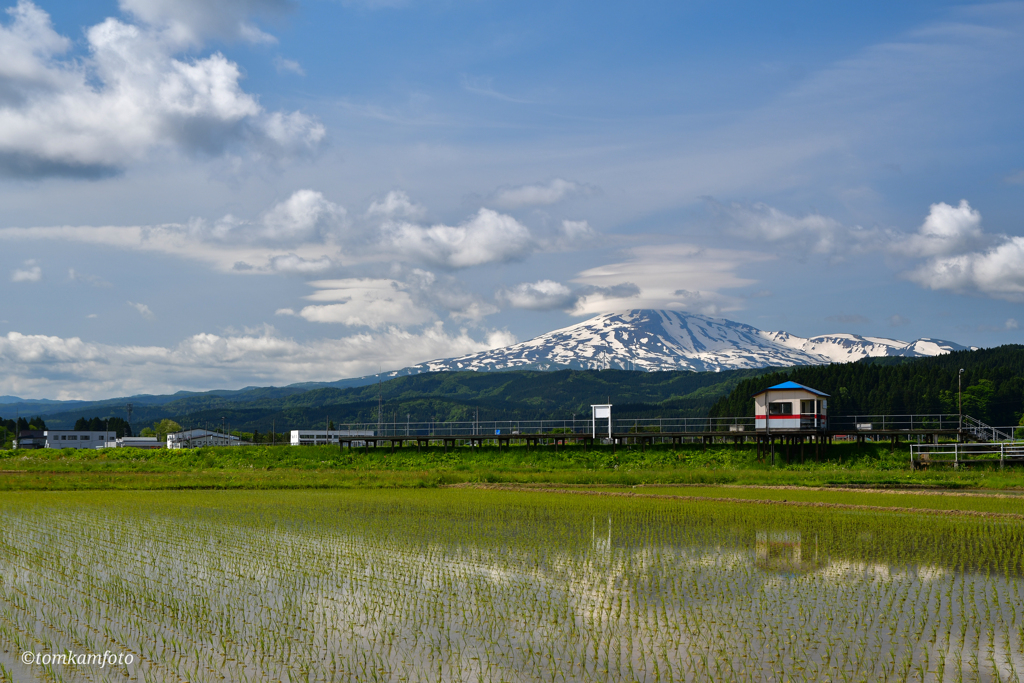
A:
(108, 424)
(992, 386)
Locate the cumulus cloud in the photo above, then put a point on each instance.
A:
(308, 233)
(305, 216)
(954, 244)
(544, 194)
(93, 115)
(487, 237)
(85, 370)
(897, 321)
(948, 230)
(143, 310)
(29, 273)
(396, 204)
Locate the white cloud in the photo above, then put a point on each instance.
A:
(30, 273)
(674, 276)
(548, 295)
(445, 292)
(143, 310)
(95, 114)
(307, 233)
(396, 204)
(948, 230)
(543, 295)
(898, 321)
(285, 311)
(485, 238)
(1012, 324)
(306, 216)
(544, 194)
(298, 235)
(93, 280)
(811, 233)
(284, 66)
(950, 239)
(192, 21)
(374, 303)
(207, 361)
(292, 263)
(997, 272)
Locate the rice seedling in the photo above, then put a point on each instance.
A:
(474, 585)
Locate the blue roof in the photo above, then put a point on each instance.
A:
(792, 385)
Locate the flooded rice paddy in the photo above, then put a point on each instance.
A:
(467, 585)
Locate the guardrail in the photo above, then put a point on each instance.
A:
(669, 425)
(580, 426)
(884, 423)
(957, 454)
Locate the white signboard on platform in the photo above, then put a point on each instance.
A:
(600, 412)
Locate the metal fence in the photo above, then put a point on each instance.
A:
(957, 454)
(582, 426)
(883, 423)
(579, 426)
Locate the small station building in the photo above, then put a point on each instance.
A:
(790, 407)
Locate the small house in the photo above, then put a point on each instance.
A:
(790, 407)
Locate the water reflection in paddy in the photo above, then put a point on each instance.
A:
(498, 586)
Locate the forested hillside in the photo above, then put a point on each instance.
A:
(993, 386)
(451, 396)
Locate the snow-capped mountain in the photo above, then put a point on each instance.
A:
(645, 339)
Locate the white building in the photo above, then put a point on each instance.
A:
(73, 438)
(323, 437)
(790, 407)
(194, 438)
(149, 442)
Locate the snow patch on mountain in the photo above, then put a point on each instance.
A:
(646, 339)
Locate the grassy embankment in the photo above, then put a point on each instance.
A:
(283, 467)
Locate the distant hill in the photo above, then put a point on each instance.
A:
(441, 396)
(993, 386)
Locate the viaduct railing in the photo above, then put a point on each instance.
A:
(670, 425)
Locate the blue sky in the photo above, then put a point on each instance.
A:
(199, 195)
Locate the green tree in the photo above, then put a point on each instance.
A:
(164, 427)
(978, 398)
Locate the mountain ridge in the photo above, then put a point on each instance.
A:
(639, 339)
(655, 340)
